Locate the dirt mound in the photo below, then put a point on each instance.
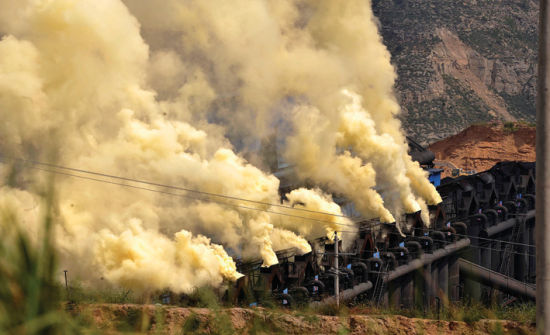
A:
(479, 147)
(110, 318)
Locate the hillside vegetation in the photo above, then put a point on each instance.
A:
(461, 62)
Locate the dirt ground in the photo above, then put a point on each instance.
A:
(157, 319)
(479, 147)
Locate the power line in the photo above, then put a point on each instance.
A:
(215, 195)
(188, 197)
(486, 239)
(170, 186)
(487, 248)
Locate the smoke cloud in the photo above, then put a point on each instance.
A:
(179, 93)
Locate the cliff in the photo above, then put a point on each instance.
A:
(479, 147)
(461, 62)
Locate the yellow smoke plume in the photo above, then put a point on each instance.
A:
(178, 93)
(313, 148)
(257, 54)
(317, 202)
(357, 130)
(78, 76)
(147, 260)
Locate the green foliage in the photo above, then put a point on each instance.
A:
(331, 310)
(310, 318)
(29, 296)
(473, 313)
(220, 322)
(510, 127)
(192, 324)
(520, 105)
(524, 313)
(79, 294)
(262, 323)
(469, 313)
(343, 330)
(497, 330)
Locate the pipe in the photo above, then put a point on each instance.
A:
(426, 259)
(346, 294)
(414, 248)
(504, 225)
(497, 280)
(438, 237)
(460, 228)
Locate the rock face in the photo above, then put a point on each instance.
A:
(479, 147)
(461, 62)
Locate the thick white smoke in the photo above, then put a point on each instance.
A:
(178, 92)
(259, 55)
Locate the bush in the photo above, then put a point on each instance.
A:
(510, 126)
(331, 310)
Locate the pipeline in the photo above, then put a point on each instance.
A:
(505, 225)
(497, 280)
(426, 259)
(346, 294)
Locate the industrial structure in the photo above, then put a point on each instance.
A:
(479, 245)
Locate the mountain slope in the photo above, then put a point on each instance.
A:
(461, 62)
(479, 147)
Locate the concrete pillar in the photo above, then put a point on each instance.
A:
(443, 277)
(485, 261)
(435, 279)
(454, 278)
(386, 297)
(394, 297)
(472, 289)
(495, 254)
(419, 288)
(407, 294)
(522, 260)
(428, 286)
(532, 261)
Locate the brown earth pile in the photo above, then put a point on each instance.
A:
(113, 319)
(479, 147)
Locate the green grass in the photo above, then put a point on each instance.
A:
(29, 295)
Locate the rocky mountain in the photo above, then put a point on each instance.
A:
(461, 62)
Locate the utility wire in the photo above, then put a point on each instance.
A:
(186, 196)
(214, 195)
(486, 239)
(2, 157)
(487, 248)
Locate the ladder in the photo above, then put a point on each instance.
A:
(380, 284)
(504, 266)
